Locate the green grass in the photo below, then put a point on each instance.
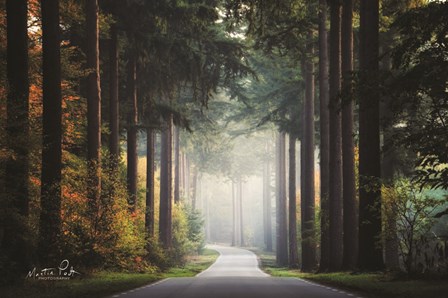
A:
(365, 284)
(103, 284)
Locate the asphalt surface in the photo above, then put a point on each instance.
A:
(235, 274)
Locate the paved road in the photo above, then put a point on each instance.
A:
(235, 274)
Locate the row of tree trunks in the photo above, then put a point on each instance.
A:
(50, 217)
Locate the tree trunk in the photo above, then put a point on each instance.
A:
(114, 141)
(132, 175)
(165, 217)
(194, 200)
(389, 159)
(293, 251)
(16, 176)
(324, 139)
(335, 195)
(370, 253)
(50, 217)
(93, 106)
(307, 210)
(282, 230)
(240, 203)
(348, 153)
(234, 217)
(150, 152)
(176, 165)
(267, 202)
(187, 180)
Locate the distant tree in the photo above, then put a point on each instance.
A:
(150, 193)
(132, 159)
(292, 222)
(267, 209)
(166, 198)
(282, 227)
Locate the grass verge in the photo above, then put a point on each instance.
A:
(103, 284)
(370, 285)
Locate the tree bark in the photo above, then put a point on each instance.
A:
(114, 141)
(389, 159)
(348, 153)
(234, 217)
(240, 206)
(93, 106)
(50, 217)
(335, 194)
(150, 152)
(267, 201)
(176, 165)
(282, 230)
(307, 210)
(165, 216)
(370, 253)
(14, 244)
(132, 175)
(324, 138)
(293, 250)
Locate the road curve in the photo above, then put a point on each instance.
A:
(235, 274)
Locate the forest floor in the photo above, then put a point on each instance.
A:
(370, 285)
(105, 283)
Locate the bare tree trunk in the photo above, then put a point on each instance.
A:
(187, 180)
(324, 139)
(50, 217)
(307, 210)
(348, 153)
(370, 254)
(13, 245)
(194, 200)
(132, 175)
(234, 217)
(267, 201)
(240, 202)
(93, 106)
(335, 195)
(150, 152)
(391, 242)
(176, 165)
(165, 216)
(114, 141)
(293, 251)
(282, 226)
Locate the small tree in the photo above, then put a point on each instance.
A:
(414, 214)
